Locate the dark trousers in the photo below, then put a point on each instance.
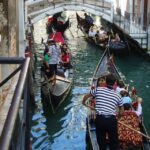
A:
(107, 125)
(53, 68)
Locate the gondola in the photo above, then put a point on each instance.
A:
(56, 94)
(54, 24)
(114, 47)
(104, 67)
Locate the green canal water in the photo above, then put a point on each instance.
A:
(66, 129)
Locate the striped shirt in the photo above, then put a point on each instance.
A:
(107, 100)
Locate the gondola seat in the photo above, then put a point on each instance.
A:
(127, 136)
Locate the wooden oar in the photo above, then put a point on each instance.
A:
(76, 105)
(62, 79)
(134, 130)
(59, 79)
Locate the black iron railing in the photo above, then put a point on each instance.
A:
(16, 133)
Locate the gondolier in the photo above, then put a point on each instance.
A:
(88, 19)
(54, 23)
(107, 100)
(55, 57)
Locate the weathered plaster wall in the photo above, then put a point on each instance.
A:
(8, 41)
(3, 43)
(12, 27)
(3, 26)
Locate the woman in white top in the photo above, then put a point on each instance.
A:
(92, 33)
(138, 110)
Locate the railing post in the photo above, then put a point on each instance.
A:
(27, 102)
(147, 41)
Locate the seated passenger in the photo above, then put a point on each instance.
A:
(134, 93)
(100, 38)
(115, 85)
(126, 99)
(92, 32)
(102, 31)
(116, 39)
(65, 48)
(97, 36)
(137, 106)
(65, 59)
(120, 87)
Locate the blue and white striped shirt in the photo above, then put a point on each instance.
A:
(107, 100)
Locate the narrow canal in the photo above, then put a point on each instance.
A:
(65, 130)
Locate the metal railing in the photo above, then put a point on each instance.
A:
(132, 25)
(17, 123)
(130, 22)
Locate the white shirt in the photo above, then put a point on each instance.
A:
(118, 89)
(139, 109)
(92, 33)
(101, 32)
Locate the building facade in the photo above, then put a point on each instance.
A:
(135, 15)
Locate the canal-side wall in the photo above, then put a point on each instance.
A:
(133, 45)
(7, 43)
(135, 18)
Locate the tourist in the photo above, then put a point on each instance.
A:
(116, 39)
(134, 93)
(65, 48)
(107, 101)
(92, 33)
(29, 27)
(97, 36)
(101, 36)
(137, 106)
(120, 87)
(65, 59)
(127, 101)
(102, 31)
